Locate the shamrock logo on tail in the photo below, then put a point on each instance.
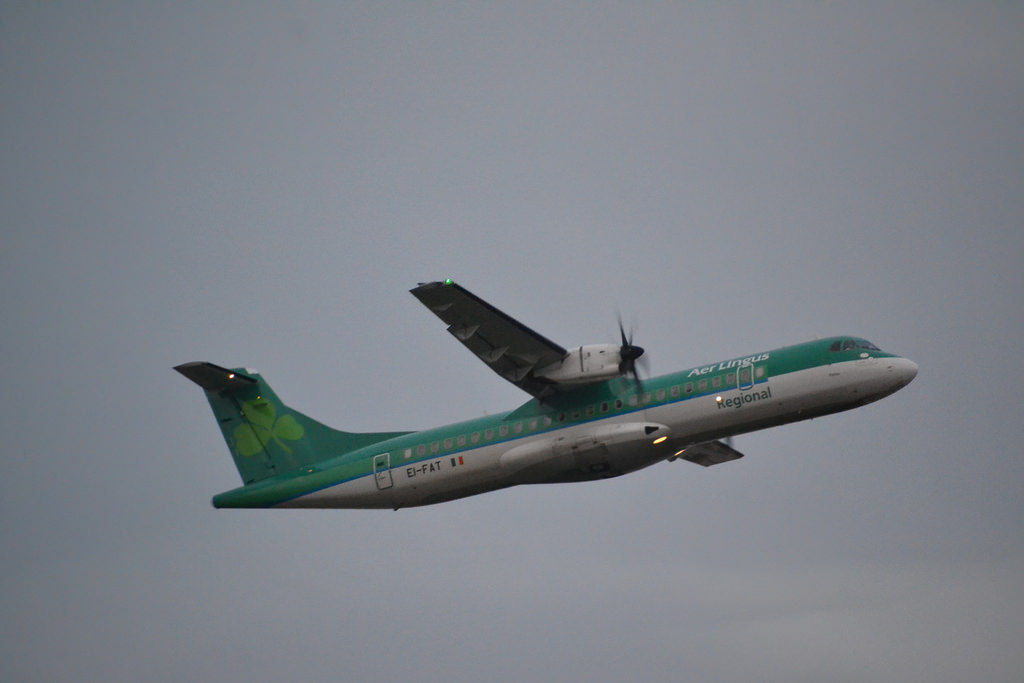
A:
(264, 426)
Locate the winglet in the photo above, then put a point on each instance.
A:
(213, 377)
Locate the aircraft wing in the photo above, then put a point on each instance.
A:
(507, 346)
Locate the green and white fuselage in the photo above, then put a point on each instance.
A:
(593, 431)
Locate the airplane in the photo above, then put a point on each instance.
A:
(591, 416)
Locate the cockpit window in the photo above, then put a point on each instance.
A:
(851, 344)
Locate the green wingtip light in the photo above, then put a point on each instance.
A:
(448, 281)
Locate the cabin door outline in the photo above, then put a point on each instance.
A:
(382, 471)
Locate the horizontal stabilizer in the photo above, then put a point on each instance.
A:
(710, 453)
(213, 377)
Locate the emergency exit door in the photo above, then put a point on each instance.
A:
(745, 377)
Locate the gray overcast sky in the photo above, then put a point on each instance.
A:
(260, 185)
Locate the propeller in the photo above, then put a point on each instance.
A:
(629, 353)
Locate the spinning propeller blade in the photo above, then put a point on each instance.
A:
(630, 353)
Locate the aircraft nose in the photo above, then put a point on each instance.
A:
(904, 369)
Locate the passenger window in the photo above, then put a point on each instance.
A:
(421, 449)
(408, 453)
(675, 391)
(688, 388)
(462, 440)
(604, 407)
(716, 382)
(744, 375)
(503, 430)
(730, 379)
(661, 394)
(533, 424)
(435, 447)
(590, 411)
(759, 371)
(489, 434)
(518, 429)
(618, 404)
(702, 385)
(475, 438)
(447, 443)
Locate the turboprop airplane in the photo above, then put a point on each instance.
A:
(590, 416)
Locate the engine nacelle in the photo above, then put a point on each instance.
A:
(584, 365)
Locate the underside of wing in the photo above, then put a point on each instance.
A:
(507, 346)
(710, 453)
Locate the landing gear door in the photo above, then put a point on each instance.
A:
(382, 471)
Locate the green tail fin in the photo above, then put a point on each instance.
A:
(266, 437)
